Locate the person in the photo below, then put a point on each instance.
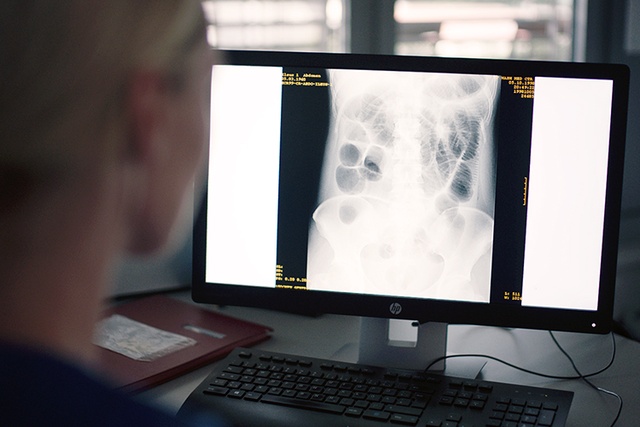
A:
(103, 123)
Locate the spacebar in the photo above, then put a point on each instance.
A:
(303, 404)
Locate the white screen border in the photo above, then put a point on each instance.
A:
(242, 214)
(566, 192)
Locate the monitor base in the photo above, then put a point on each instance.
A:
(406, 353)
(401, 344)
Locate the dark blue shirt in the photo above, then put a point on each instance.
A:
(36, 389)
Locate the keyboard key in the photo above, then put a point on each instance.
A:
(419, 404)
(532, 411)
(229, 376)
(361, 404)
(455, 384)
(409, 420)
(353, 412)
(376, 415)
(476, 404)
(516, 409)
(317, 397)
(405, 394)
(261, 389)
(465, 395)
(304, 404)
(236, 394)
(518, 402)
(289, 393)
(500, 407)
(304, 395)
(347, 402)
(454, 417)
(497, 415)
(535, 404)
(512, 417)
(234, 369)
(252, 396)
(485, 388)
(461, 403)
(546, 417)
(333, 399)
(446, 401)
(481, 396)
(403, 410)
(219, 391)
(470, 386)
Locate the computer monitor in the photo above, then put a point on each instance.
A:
(448, 191)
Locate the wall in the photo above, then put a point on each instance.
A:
(613, 35)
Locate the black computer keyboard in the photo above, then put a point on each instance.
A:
(259, 388)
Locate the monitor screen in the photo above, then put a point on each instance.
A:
(447, 190)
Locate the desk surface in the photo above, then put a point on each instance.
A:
(328, 335)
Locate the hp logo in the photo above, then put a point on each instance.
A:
(395, 308)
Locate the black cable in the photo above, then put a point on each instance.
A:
(554, 377)
(584, 377)
(580, 376)
(486, 356)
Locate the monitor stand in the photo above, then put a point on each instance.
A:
(402, 343)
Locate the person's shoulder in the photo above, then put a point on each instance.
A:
(41, 390)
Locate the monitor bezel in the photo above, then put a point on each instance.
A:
(424, 310)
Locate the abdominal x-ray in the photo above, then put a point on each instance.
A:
(407, 190)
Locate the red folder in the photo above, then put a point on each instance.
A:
(171, 315)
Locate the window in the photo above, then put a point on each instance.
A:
(519, 29)
(306, 25)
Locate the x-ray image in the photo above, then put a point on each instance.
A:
(407, 190)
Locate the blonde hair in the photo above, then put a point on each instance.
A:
(64, 67)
